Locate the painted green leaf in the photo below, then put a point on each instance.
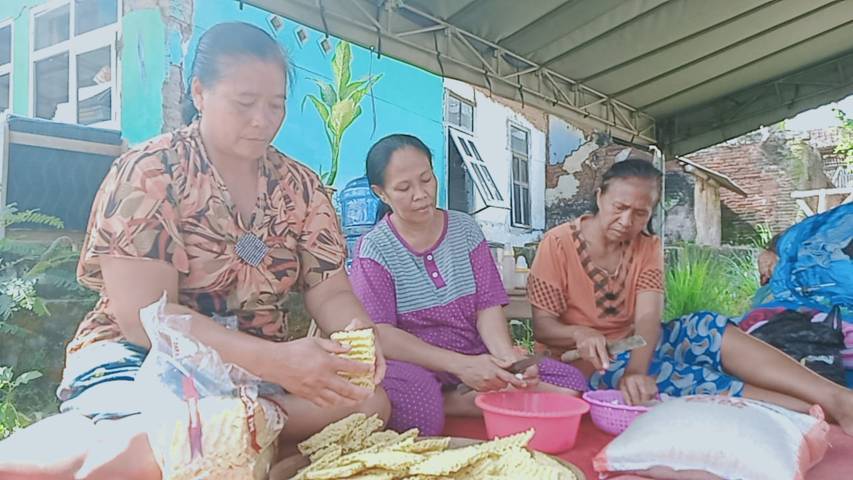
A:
(342, 116)
(6, 305)
(26, 378)
(351, 118)
(359, 94)
(40, 308)
(321, 107)
(327, 93)
(341, 64)
(353, 87)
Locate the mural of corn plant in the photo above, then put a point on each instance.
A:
(339, 102)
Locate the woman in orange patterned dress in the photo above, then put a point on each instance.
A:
(599, 278)
(228, 226)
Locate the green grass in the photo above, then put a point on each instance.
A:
(700, 279)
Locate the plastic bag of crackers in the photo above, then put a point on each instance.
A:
(206, 418)
(356, 448)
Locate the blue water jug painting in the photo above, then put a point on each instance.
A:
(358, 206)
(358, 212)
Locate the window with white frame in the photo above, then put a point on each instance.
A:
(74, 63)
(477, 169)
(519, 143)
(459, 113)
(5, 66)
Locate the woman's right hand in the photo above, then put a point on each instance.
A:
(308, 368)
(592, 347)
(485, 373)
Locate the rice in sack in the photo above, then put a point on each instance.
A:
(714, 437)
(205, 418)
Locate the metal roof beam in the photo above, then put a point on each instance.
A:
(603, 34)
(724, 49)
(747, 65)
(404, 32)
(762, 104)
(696, 34)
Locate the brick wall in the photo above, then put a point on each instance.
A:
(764, 178)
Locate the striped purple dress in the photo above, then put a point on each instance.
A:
(434, 295)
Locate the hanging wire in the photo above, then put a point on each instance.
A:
(378, 33)
(372, 96)
(323, 17)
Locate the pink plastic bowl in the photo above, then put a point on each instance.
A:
(609, 412)
(555, 417)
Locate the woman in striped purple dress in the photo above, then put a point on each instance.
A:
(427, 279)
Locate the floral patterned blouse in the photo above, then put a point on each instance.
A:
(165, 202)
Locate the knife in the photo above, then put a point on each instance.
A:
(518, 367)
(614, 348)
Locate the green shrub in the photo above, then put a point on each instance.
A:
(701, 279)
(11, 418)
(522, 334)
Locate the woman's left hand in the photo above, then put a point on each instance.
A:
(638, 388)
(379, 364)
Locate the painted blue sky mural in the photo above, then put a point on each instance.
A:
(407, 99)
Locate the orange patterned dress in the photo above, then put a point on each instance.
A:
(165, 202)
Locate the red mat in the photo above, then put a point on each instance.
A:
(838, 460)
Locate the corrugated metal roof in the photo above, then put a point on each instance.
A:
(681, 73)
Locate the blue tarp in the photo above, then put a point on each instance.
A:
(815, 268)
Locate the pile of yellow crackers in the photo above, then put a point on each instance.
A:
(357, 448)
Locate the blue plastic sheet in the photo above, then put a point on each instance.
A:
(815, 269)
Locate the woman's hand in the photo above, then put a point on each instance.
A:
(379, 365)
(637, 388)
(592, 347)
(485, 373)
(308, 368)
(530, 377)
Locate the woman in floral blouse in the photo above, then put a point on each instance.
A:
(228, 226)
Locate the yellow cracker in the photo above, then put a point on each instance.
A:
(477, 469)
(331, 473)
(381, 438)
(355, 439)
(519, 440)
(388, 460)
(429, 445)
(363, 350)
(377, 474)
(390, 440)
(406, 438)
(324, 458)
(332, 433)
(542, 472)
(547, 460)
(365, 381)
(448, 461)
(347, 334)
(327, 455)
(396, 445)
